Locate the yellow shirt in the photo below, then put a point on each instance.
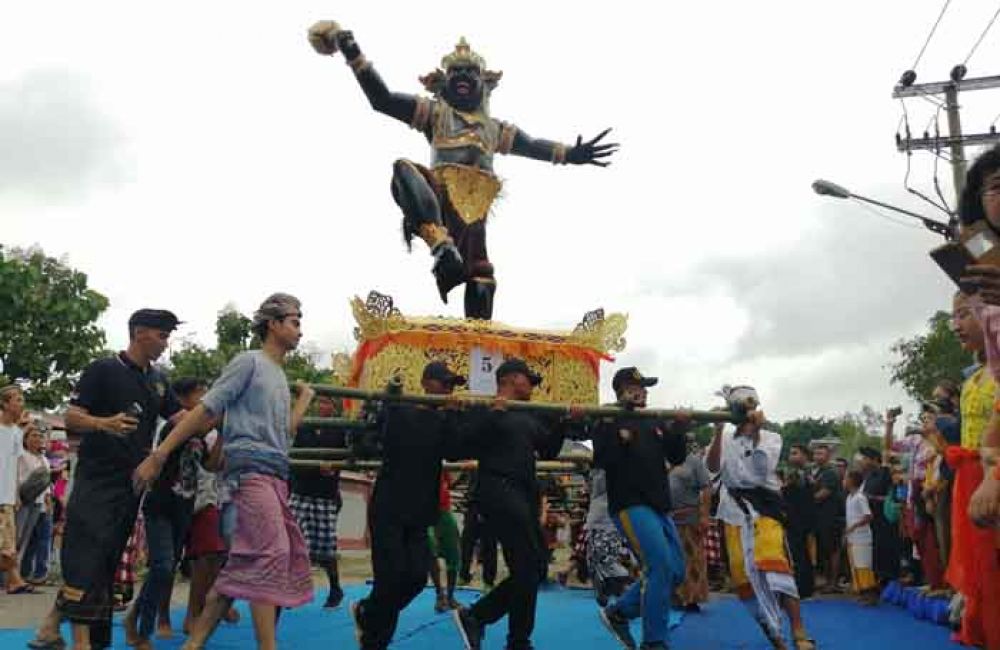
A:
(978, 393)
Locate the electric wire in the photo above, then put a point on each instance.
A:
(982, 36)
(937, 22)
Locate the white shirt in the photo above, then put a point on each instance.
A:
(11, 448)
(744, 466)
(27, 464)
(857, 509)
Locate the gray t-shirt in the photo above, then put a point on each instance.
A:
(687, 482)
(253, 394)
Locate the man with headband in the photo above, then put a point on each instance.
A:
(750, 504)
(414, 440)
(268, 560)
(115, 409)
(633, 452)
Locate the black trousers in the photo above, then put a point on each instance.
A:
(798, 546)
(401, 560)
(475, 530)
(512, 513)
(100, 516)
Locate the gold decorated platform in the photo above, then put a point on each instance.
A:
(391, 344)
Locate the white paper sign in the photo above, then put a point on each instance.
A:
(482, 370)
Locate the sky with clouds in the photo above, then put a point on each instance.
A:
(193, 155)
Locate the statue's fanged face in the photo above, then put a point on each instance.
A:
(464, 87)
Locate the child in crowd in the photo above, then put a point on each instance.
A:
(859, 540)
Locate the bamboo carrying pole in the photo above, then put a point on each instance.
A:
(343, 453)
(514, 405)
(551, 466)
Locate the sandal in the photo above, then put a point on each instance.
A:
(805, 643)
(23, 589)
(51, 644)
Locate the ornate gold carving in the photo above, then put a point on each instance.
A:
(470, 190)
(340, 368)
(600, 332)
(375, 317)
(567, 375)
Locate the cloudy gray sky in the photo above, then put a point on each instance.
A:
(192, 155)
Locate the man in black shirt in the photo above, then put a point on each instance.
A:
(798, 494)
(115, 409)
(634, 452)
(405, 502)
(316, 500)
(828, 494)
(505, 443)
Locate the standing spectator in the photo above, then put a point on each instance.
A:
(858, 535)
(31, 466)
(691, 495)
(316, 500)
(268, 561)
(798, 493)
(11, 449)
(970, 545)
(876, 486)
(829, 500)
(205, 547)
(167, 509)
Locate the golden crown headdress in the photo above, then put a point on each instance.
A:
(462, 54)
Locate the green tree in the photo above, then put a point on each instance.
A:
(804, 430)
(855, 431)
(927, 358)
(48, 324)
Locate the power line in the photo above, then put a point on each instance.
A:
(931, 34)
(982, 36)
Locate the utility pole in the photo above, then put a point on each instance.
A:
(956, 140)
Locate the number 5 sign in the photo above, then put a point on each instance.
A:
(482, 369)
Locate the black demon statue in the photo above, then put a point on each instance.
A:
(447, 204)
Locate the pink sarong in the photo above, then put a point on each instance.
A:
(268, 559)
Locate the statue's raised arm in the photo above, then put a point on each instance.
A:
(447, 202)
(327, 37)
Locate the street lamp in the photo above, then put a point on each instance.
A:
(826, 188)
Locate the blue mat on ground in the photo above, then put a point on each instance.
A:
(567, 618)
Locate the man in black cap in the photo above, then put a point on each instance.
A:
(633, 452)
(877, 485)
(505, 443)
(405, 502)
(115, 410)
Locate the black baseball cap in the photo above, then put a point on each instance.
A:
(160, 319)
(440, 371)
(870, 452)
(631, 375)
(514, 365)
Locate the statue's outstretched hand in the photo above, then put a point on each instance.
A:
(323, 36)
(591, 152)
